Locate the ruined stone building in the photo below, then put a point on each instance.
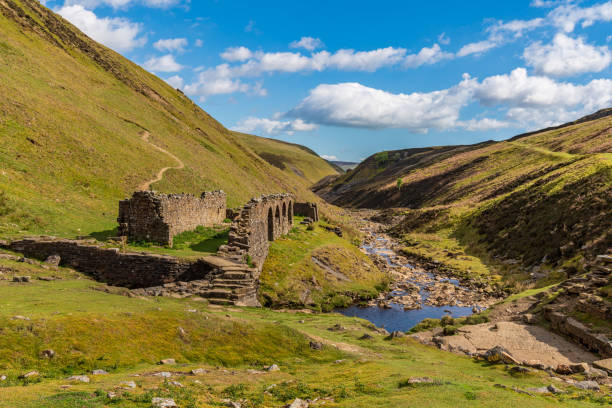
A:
(154, 217)
(231, 276)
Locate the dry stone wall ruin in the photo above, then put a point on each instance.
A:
(232, 276)
(260, 221)
(154, 217)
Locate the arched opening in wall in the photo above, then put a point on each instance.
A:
(277, 218)
(290, 212)
(270, 225)
(284, 210)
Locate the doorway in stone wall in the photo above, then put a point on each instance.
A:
(270, 225)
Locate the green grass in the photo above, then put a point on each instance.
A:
(88, 328)
(290, 277)
(188, 244)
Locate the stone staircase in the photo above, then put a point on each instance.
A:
(231, 284)
(236, 284)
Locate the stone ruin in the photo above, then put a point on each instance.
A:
(260, 221)
(230, 277)
(154, 217)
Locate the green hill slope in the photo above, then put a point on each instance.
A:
(542, 198)
(82, 127)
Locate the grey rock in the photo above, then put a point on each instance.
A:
(198, 371)
(163, 403)
(164, 374)
(316, 345)
(47, 353)
(79, 378)
(128, 384)
(98, 372)
(167, 361)
(587, 385)
(298, 403)
(53, 260)
(30, 374)
(273, 367)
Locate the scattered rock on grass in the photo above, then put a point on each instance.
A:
(2, 377)
(167, 361)
(128, 385)
(30, 374)
(298, 403)
(498, 354)
(53, 260)
(19, 317)
(23, 279)
(80, 378)
(164, 374)
(366, 337)
(163, 403)
(316, 345)
(98, 372)
(273, 367)
(563, 369)
(47, 353)
(587, 385)
(198, 371)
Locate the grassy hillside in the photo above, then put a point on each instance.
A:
(74, 122)
(89, 329)
(538, 199)
(296, 161)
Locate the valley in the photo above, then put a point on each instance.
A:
(150, 256)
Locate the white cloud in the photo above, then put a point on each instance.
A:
(476, 48)
(273, 127)
(234, 54)
(171, 44)
(525, 99)
(355, 105)
(221, 80)
(548, 3)
(176, 82)
(541, 100)
(567, 56)
(199, 43)
(116, 4)
(427, 56)
(165, 63)
(117, 33)
(443, 39)
(566, 17)
(329, 157)
(308, 43)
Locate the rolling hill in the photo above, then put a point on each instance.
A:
(81, 127)
(538, 198)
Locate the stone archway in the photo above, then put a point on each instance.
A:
(290, 215)
(270, 225)
(284, 219)
(277, 222)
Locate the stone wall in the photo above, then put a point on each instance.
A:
(109, 265)
(309, 210)
(260, 221)
(154, 217)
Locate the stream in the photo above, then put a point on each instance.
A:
(415, 293)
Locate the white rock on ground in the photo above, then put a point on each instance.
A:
(80, 378)
(163, 403)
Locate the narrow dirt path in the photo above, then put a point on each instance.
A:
(160, 175)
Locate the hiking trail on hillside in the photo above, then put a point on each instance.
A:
(160, 175)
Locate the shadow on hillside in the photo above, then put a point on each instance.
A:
(104, 235)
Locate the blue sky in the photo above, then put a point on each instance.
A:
(351, 78)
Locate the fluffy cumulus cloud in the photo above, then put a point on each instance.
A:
(234, 54)
(221, 80)
(524, 99)
(355, 105)
(273, 126)
(176, 82)
(329, 157)
(165, 63)
(171, 44)
(567, 56)
(117, 33)
(427, 56)
(307, 43)
(568, 16)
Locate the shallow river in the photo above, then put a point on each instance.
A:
(394, 316)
